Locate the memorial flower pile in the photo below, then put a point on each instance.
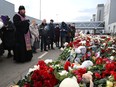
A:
(88, 61)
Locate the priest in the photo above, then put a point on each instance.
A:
(23, 50)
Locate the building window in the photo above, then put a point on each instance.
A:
(114, 29)
(109, 28)
(99, 15)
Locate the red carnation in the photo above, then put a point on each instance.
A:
(66, 65)
(97, 75)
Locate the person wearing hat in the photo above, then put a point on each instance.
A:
(8, 31)
(51, 34)
(23, 50)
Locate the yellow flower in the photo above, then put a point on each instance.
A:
(109, 84)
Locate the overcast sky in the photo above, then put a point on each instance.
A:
(60, 10)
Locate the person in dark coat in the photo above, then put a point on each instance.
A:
(57, 35)
(23, 50)
(8, 36)
(43, 34)
(51, 33)
(63, 33)
(73, 30)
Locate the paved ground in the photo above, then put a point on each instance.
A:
(11, 72)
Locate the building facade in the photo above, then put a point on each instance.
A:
(110, 16)
(94, 17)
(100, 12)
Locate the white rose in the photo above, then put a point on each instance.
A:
(48, 61)
(64, 72)
(112, 57)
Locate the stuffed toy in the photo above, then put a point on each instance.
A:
(87, 78)
(85, 64)
(69, 82)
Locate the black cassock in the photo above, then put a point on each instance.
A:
(21, 54)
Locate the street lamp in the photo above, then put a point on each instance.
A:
(40, 9)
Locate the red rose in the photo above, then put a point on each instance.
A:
(70, 44)
(79, 78)
(37, 84)
(110, 66)
(50, 70)
(97, 75)
(114, 77)
(47, 83)
(41, 63)
(66, 65)
(113, 73)
(99, 61)
(82, 70)
(105, 73)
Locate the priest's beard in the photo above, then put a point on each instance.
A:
(23, 15)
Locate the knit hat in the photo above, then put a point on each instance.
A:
(21, 7)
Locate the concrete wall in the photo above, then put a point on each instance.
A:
(6, 8)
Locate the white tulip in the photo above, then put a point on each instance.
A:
(64, 72)
(48, 61)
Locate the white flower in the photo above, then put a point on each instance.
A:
(69, 82)
(72, 52)
(77, 50)
(64, 72)
(48, 61)
(14, 86)
(113, 51)
(112, 57)
(65, 44)
(109, 83)
(69, 68)
(61, 49)
(97, 54)
(36, 67)
(83, 42)
(104, 44)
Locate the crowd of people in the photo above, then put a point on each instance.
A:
(23, 37)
